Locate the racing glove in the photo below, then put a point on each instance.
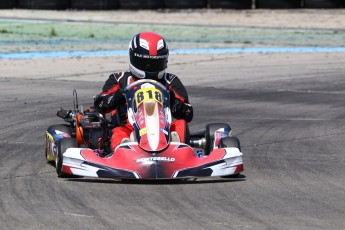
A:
(106, 103)
(181, 110)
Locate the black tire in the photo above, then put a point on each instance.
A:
(231, 4)
(209, 135)
(94, 4)
(47, 142)
(63, 145)
(278, 4)
(323, 3)
(63, 128)
(147, 4)
(7, 4)
(44, 4)
(230, 142)
(185, 4)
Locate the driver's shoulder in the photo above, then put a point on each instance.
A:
(169, 77)
(122, 78)
(118, 75)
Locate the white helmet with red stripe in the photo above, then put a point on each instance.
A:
(148, 55)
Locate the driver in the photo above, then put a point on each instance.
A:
(148, 59)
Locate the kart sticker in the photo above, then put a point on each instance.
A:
(148, 94)
(142, 131)
(62, 134)
(149, 159)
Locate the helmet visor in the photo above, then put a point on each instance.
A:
(149, 63)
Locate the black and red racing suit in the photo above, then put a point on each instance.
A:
(112, 99)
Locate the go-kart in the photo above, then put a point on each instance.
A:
(80, 147)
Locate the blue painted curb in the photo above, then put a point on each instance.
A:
(100, 53)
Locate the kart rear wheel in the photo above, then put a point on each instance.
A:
(232, 141)
(48, 138)
(63, 145)
(209, 135)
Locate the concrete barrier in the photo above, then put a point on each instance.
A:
(168, 4)
(186, 4)
(43, 4)
(147, 4)
(324, 3)
(7, 4)
(278, 4)
(94, 4)
(231, 4)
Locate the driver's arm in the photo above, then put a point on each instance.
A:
(111, 96)
(179, 103)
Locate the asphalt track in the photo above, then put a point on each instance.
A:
(287, 110)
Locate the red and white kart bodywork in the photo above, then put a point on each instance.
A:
(150, 153)
(131, 162)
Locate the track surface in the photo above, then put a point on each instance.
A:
(288, 110)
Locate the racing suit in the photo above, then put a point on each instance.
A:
(112, 100)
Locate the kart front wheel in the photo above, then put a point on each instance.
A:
(232, 141)
(209, 135)
(49, 139)
(63, 145)
(228, 142)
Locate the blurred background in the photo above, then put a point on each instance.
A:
(98, 25)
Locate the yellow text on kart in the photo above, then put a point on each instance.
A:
(148, 94)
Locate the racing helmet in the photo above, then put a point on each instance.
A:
(148, 56)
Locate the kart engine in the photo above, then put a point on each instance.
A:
(93, 130)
